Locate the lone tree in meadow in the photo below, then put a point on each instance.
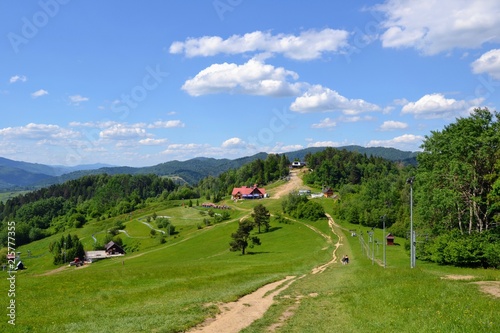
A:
(261, 217)
(242, 238)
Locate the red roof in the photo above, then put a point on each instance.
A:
(245, 190)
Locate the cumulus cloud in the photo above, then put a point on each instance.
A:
(393, 125)
(354, 119)
(186, 149)
(280, 148)
(403, 142)
(437, 106)
(489, 63)
(325, 123)
(435, 26)
(18, 78)
(324, 144)
(38, 132)
(94, 124)
(39, 93)
(122, 132)
(152, 142)
(253, 78)
(321, 99)
(310, 44)
(167, 124)
(77, 99)
(234, 143)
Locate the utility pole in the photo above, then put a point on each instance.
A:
(412, 232)
(371, 240)
(384, 240)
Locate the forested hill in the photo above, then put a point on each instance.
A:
(22, 175)
(190, 171)
(391, 154)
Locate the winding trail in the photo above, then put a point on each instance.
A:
(322, 268)
(235, 316)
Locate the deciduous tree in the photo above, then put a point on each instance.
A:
(261, 217)
(242, 238)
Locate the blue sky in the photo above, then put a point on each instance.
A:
(141, 83)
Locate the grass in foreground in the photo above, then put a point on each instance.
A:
(172, 287)
(361, 297)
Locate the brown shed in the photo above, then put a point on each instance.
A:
(327, 192)
(390, 239)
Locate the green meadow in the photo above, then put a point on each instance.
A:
(173, 286)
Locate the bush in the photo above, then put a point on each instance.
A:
(464, 250)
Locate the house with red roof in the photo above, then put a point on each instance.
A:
(246, 192)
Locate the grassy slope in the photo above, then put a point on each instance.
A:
(163, 288)
(362, 297)
(170, 287)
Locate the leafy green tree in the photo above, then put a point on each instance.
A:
(242, 238)
(66, 249)
(457, 171)
(261, 217)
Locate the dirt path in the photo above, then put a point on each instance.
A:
(235, 316)
(322, 268)
(294, 183)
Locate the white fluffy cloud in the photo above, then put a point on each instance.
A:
(167, 124)
(152, 142)
(186, 149)
(437, 106)
(18, 78)
(489, 63)
(38, 131)
(310, 44)
(39, 93)
(234, 143)
(77, 99)
(321, 99)
(123, 132)
(324, 144)
(434, 26)
(393, 125)
(403, 142)
(253, 78)
(325, 123)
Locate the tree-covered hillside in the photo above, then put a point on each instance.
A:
(49, 210)
(370, 188)
(457, 191)
(259, 171)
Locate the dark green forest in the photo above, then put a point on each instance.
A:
(456, 193)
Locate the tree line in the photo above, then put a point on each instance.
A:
(49, 210)
(456, 191)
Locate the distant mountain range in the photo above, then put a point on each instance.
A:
(16, 175)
